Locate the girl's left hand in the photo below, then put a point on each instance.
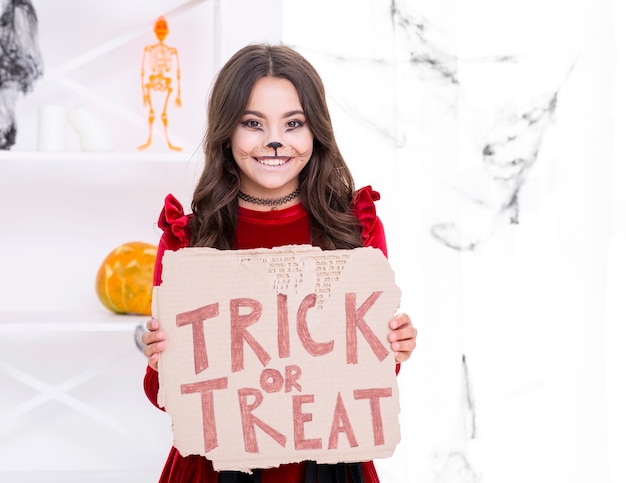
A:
(402, 337)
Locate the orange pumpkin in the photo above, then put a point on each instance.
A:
(124, 280)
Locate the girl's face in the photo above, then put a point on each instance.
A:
(273, 115)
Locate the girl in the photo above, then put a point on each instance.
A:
(273, 176)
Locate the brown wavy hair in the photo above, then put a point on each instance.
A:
(326, 184)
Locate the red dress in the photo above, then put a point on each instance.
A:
(255, 229)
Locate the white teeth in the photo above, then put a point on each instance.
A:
(272, 162)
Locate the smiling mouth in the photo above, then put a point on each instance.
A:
(272, 161)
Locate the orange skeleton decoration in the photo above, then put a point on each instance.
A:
(157, 63)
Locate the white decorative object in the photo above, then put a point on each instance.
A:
(91, 129)
(51, 128)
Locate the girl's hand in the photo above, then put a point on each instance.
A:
(154, 341)
(402, 337)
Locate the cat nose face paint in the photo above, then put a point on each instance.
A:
(275, 146)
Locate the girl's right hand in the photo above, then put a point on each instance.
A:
(154, 341)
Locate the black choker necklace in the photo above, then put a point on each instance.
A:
(273, 202)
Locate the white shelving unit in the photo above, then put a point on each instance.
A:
(72, 406)
(66, 211)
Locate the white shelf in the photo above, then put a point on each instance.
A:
(69, 322)
(104, 476)
(86, 157)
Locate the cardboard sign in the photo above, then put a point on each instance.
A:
(278, 356)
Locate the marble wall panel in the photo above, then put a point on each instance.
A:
(487, 126)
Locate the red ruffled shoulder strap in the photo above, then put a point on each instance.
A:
(175, 225)
(373, 233)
